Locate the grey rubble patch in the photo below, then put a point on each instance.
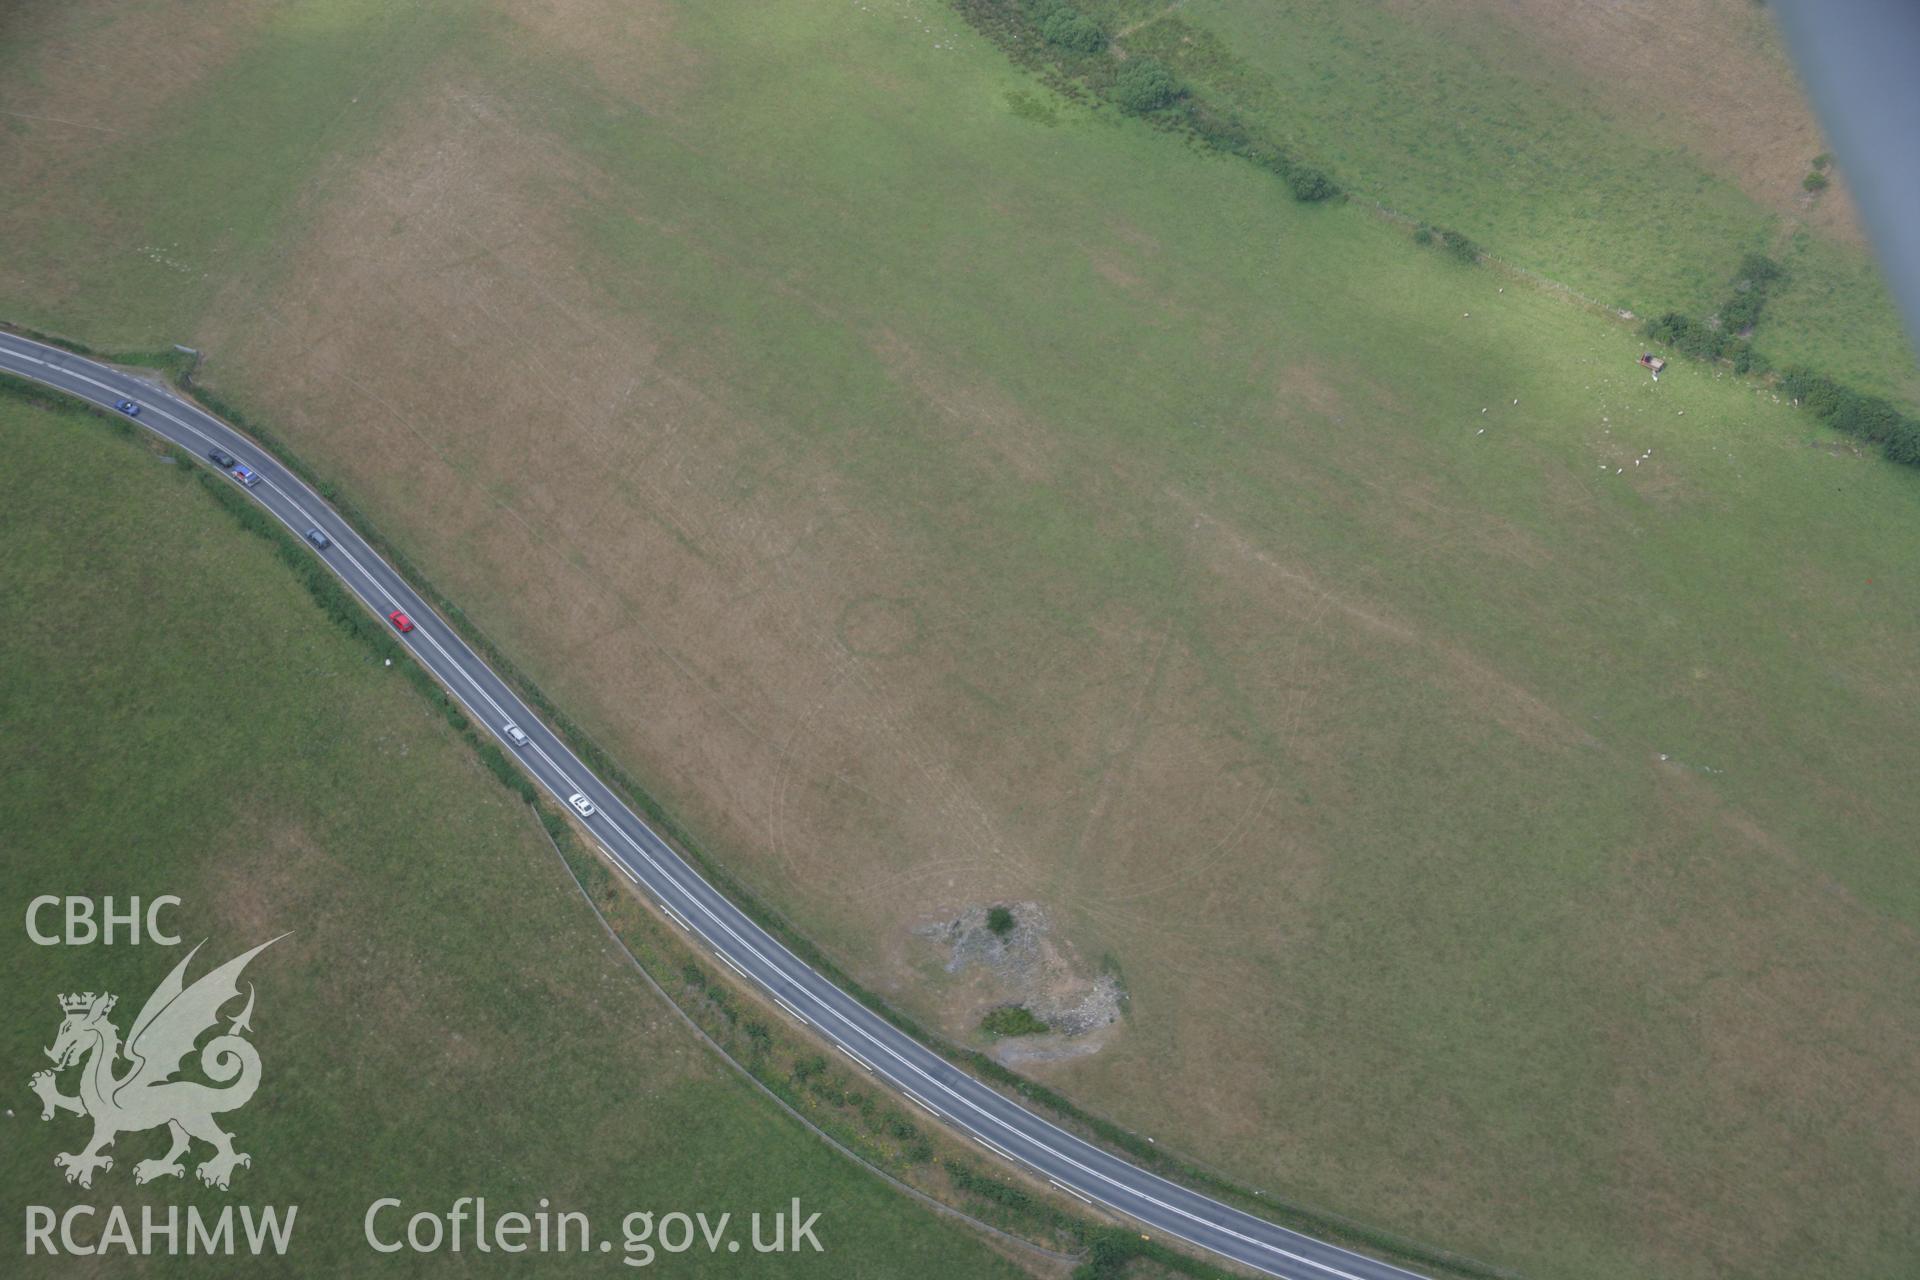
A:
(1030, 969)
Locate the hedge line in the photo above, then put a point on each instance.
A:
(1864, 417)
(1074, 54)
(1455, 243)
(1725, 336)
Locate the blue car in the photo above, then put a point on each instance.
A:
(129, 408)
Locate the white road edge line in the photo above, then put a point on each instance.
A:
(923, 1104)
(618, 862)
(1055, 1182)
(851, 1054)
(1001, 1152)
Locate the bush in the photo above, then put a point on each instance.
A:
(999, 921)
(1816, 182)
(1423, 234)
(899, 1127)
(1757, 271)
(1144, 86)
(1814, 391)
(1687, 336)
(1107, 1256)
(1225, 133)
(1309, 185)
(1012, 1020)
(1867, 417)
(986, 1188)
(1742, 312)
(1072, 30)
(1904, 448)
(1752, 282)
(1459, 248)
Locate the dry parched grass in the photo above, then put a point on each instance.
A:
(1715, 72)
(936, 509)
(1234, 766)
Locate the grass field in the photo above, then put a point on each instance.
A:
(942, 495)
(1633, 151)
(445, 1019)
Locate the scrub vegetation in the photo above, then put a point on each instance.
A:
(1012, 1020)
(941, 487)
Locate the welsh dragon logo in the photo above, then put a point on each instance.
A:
(146, 1095)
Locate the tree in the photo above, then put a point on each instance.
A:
(1308, 185)
(1144, 85)
(1459, 247)
(1072, 30)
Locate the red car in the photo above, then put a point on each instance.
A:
(401, 622)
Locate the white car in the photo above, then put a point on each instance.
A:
(582, 805)
(515, 734)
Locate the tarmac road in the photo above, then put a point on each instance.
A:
(987, 1117)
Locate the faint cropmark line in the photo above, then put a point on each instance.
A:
(146, 1095)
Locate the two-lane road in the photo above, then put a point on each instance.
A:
(869, 1042)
